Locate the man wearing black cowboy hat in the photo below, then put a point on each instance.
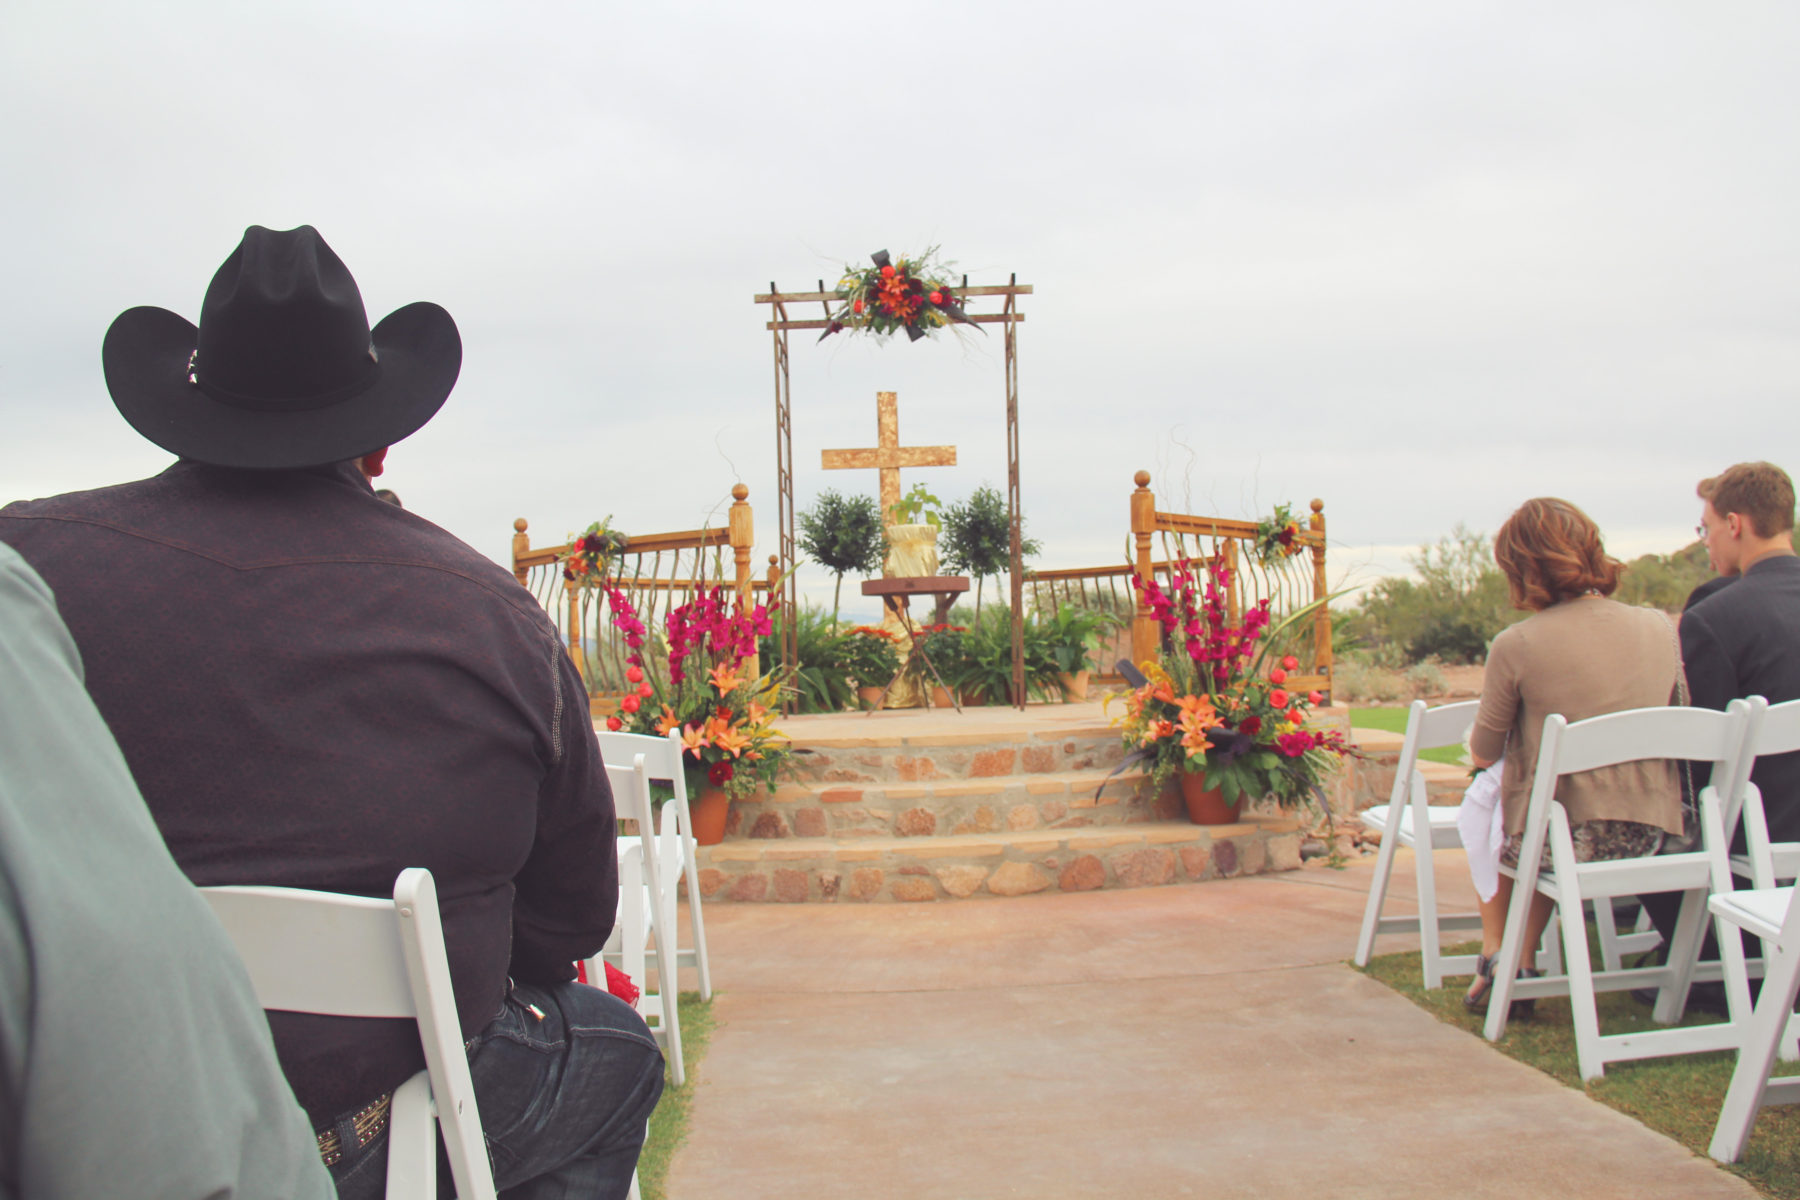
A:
(317, 689)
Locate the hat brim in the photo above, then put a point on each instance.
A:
(145, 356)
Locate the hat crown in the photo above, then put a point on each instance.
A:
(282, 321)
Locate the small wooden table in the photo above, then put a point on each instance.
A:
(894, 595)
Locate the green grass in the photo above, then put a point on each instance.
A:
(669, 1123)
(1394, 721)
(1678, 1096)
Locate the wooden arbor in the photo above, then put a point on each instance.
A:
(780, 324)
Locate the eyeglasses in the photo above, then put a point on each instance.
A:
(1700, 532)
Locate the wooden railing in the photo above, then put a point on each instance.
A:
(657, 571)
(1289, 583)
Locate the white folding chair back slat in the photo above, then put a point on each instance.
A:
(359, 956)
(1547, 864)
(676, 845)
(1767, 863)
(1409, 819)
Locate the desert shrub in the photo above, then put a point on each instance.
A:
(1664, 580)
(1451, 611)
(1355, 678)
(1425, 678)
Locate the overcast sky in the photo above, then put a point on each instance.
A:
(1421, 260)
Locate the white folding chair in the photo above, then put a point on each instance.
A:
(636, 933)
(1409, 819)
(1767, 863)
(675, 846)
(359, 956)
(1695, 734)
(1772, 915)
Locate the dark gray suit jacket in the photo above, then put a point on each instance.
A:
(1744, 640)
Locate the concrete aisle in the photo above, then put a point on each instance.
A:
(1195, 1040)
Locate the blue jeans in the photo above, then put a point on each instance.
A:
(563, 1099)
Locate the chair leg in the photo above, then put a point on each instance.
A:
(412, 1142)
(1608, 929)
(1749, 1080)
(1431, 949)
(702, 963)
(1684, 952)
(1378, 885)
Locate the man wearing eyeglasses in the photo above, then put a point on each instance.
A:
(1744, 640)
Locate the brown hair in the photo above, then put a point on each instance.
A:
(1550, 552)
(1759, 492)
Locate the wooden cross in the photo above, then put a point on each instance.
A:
(889, 456)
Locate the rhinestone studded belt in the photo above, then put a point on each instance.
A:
(367, 1121)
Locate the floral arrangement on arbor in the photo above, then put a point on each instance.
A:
(589, 552)
(1278, 535)
(912, 295)
(700, 676)
(1209, 705)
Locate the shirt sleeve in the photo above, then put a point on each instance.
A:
(1711, 675)
(567, 894)
(1499, 709)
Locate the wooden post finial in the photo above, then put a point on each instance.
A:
(1318, 505)
(1142, 479)
(740, 493)
(519, 526)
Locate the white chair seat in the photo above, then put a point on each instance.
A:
(1444, 835)
(1759, 911)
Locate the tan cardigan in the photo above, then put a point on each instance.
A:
(1581, 658)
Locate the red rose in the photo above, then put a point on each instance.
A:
(614, 724)
(856, 306)
(631, 703)
(1315, 698)
(887, 272)
(1278, 676)
(1251, 726)
(1278, 698)
(1296, 715)
(937, 297)
(720, 773)
(645, 690)
(634, 674)
(1291, 663)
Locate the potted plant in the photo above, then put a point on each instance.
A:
(912, 534)
(699, 675)
(1070, 635)
(1214, 713)
(986, 674)
(869, 656)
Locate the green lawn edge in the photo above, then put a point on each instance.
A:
(1393, 720)
(669, 1123)
(1678, 1097)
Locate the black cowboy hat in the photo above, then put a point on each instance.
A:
(283, 370)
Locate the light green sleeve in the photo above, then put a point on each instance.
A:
(134, 1060)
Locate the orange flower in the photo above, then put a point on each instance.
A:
(725, 678)
(667, 721)
(895, 297)
(731, 740)
(694, 737)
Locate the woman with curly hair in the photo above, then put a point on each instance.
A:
(1579, 654)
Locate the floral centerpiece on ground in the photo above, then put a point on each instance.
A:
(868, 655)
(913, 295)
(700, 675)
(1209, 707)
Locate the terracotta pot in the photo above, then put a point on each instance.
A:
(1074, 687)
(940, 698)
(870, 696)
(1205, 807)
(709, 810)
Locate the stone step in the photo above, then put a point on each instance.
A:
(884, 756)
(1011, 863)
(949, 807)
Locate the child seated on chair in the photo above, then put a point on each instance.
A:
(1581, 655)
